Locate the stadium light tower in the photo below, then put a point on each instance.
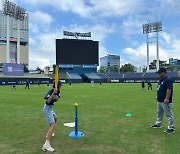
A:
(149, 28)
(12, 10)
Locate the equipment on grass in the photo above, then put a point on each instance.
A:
(56, 77)
(128, 115)
(76, 133)
(70, 124)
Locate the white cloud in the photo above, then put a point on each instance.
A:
(170, 7)
(43, 48)
(99, 31)
(1, 1)
(169, 48)
(102, 51)
(39, 21)
(166, 37)
(93, 8)
(138, 55)
(41, 18)
(32, 41)
(38, 62)
(116, 8)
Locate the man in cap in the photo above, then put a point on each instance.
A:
(51, 97)
(164, 101)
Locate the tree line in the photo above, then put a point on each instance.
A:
(131, 68)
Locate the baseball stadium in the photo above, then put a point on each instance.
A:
(83, 105)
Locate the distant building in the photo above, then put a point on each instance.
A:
(110, 60)
(174, 61)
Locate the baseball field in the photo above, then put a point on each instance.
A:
(102, 118)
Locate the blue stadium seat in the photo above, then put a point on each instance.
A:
(115, 76)
(93, 76)
(133, 75)
(74, 76)
(173, 74)
(150, 75)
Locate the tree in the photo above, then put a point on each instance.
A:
(127, 68)
(54, 67)
(162, 63)
(171, 67)
(39, 70)
(178, 68)
(144, 69)
(26, 68)
(152, 65)
(113, 69)
(47, 68)
(102, 69)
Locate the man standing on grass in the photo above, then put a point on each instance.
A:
(51, 97)
(164, 101)
(92, 83)
(149, 85)
(27, 84)
(143, 84)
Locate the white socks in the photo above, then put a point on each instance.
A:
(47, 142)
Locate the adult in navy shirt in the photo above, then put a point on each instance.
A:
(164, 101)
(51, 97)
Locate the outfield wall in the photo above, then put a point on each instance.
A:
(22, 81)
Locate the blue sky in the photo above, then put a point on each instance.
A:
(116, 24)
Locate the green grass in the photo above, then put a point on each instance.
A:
(101, 118)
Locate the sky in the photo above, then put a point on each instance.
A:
(116, 24)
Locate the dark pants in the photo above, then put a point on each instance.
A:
(149, 87)
(27, 86)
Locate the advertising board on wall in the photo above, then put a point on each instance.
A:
(13, 69)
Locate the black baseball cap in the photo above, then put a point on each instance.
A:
(162, 69)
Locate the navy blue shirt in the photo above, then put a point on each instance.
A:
(163, 86)
(49, 94)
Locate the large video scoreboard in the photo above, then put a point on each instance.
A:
(77, 52)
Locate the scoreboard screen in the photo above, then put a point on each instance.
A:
(77, 52)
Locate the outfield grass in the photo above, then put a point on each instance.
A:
(101, 117)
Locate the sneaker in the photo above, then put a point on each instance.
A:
(156, 126)
(47, 148)
(169, 131)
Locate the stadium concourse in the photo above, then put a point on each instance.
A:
(131, 77)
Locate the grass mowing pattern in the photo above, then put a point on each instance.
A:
(102, 119)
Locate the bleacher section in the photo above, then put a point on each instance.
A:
(62, 76)
(150, 76)
(102, 76)
(92, 76)
(74, 76)
(115, 76)
(173, 74)
(133, 75)
(88, 77)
